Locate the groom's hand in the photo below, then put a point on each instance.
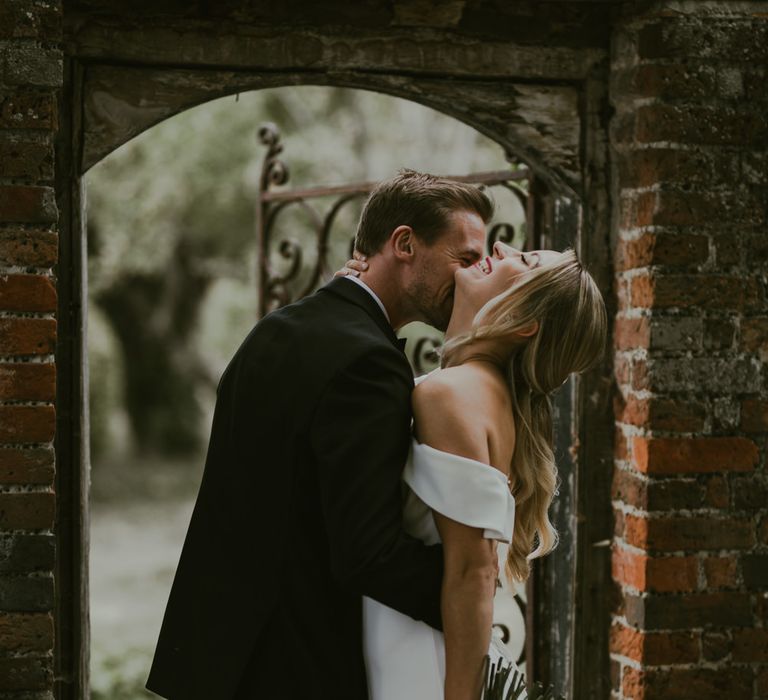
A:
(354, 266)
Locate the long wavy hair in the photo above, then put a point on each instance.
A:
(565, 302)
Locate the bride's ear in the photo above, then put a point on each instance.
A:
(528, 331)
(401, 241)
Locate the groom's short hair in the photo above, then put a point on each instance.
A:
(419, 200)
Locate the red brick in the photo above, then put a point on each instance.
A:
(637, 210)
(692, 533)
(629, 488)
(717, 492)
(690, 684)
(27, 336)
(633, 683)
(622, 370)
(754, 334)
(631, 333)
(641, 291)
(673, 81)
(634, 411)
(27, 293)
(661, 575)
(680, 416)
(19, 466)
(626, 641)
(698, 125)
(754, 416)
(28, 110)
(693, 455)
(636, 530)
(29, 160)
(25, 632)
(754, 572)
(621, 286)
(762, 531)
(669, 249)
(646, 167)
(750, 645)
(640, 375)
(663, 648)
(25, 424)
(728, 248)
(672, 574)
(28, 247)
(620, 450)
(27, 382)
(618, 523)
(715, 646)
(628, 567)
(674, 494)
(615, 673)
(761, 683)
(750, 492)
(25, 674)
(19, 20)
(681, 208)
(699, 291)
(27, 511)
(721, 572)
(719, 333)
(27, 204)
(685, 611)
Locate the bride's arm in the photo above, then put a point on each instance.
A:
(444, 421)
(469, 583)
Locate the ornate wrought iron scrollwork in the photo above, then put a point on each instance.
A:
(501, 232)
(301, 274)
(273, 170)
(426, 354)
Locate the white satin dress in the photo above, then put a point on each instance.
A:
(404, 658)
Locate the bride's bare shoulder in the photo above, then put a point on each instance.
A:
(452, 388)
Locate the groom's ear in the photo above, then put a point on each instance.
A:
(401, 241)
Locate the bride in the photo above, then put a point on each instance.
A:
(481, 467)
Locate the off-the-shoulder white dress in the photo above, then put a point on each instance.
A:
(405, 659)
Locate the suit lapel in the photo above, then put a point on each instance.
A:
(355, 294)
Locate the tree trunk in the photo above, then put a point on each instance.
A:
(153, 316)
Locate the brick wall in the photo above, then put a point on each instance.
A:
(690, 553)
(30, 76)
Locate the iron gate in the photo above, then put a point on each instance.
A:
(302, 271)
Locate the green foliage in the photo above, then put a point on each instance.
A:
(172, 243)
(121, 677)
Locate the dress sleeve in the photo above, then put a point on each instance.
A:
(462, 489)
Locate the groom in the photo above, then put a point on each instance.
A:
(299, 511)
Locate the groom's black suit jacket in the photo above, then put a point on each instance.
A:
(299, 512)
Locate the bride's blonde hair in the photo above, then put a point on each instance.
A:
(565, 302)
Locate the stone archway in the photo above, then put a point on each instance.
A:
(543, 105)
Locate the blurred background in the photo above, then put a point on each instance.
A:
(173, 291)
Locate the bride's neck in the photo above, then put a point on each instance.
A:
(488, 351)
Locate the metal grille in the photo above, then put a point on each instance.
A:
(293, 264)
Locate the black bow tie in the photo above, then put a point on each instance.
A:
(401, 343)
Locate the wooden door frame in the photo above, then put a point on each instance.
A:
(587, 446)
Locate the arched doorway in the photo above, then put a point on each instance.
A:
(541, 121)
(174, 254)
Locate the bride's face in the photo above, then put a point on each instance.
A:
(495, 274)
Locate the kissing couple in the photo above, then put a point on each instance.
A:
(343, 542)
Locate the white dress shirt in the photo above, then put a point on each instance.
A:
(362, 284)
